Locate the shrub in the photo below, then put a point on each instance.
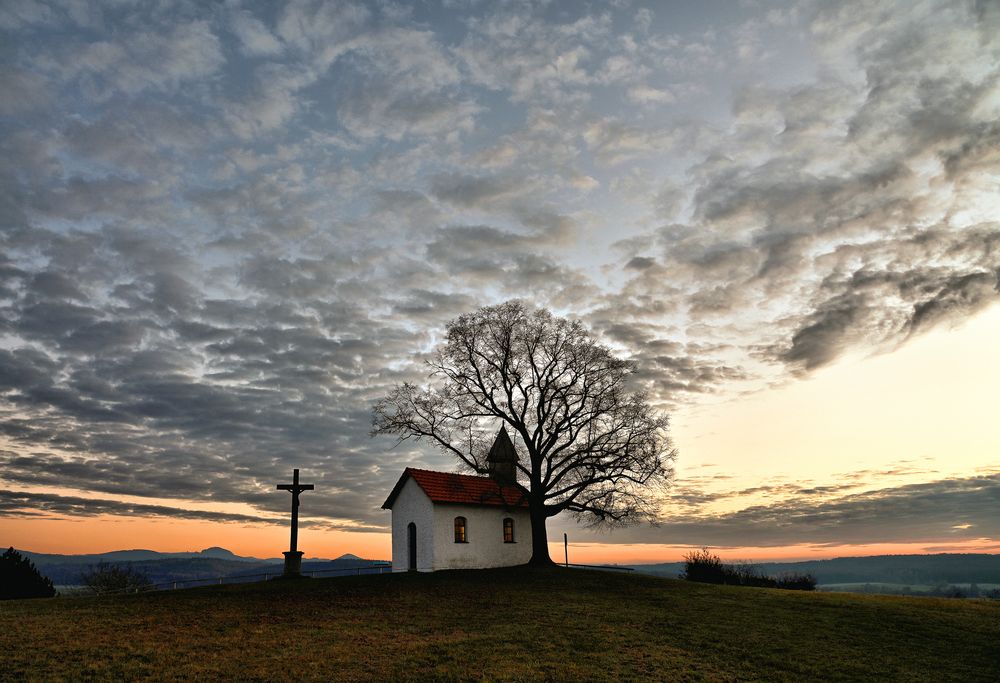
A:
(115, 578)
(748, 574)
(20, 579)
(704, 567)
(796, 582)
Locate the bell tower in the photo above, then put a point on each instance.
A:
(502, 459)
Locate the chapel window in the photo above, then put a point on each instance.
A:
(460, 536)
(508, 530)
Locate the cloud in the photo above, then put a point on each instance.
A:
(513, 50)
(855, 210)
(928, 512)
(382, 110)
(27, 504)
(272, 103)
(854, 309)
(470, 191)
(159, 60)
(643, 94)
(405, 85)
(255, 38)
(616, 142)
(312, 25)
(22, 91)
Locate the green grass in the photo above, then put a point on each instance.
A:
(509, 624)
(895, 588)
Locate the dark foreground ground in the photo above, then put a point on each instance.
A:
(510, 624)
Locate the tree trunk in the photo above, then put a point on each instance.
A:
(539, 538)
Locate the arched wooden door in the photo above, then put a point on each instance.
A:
(411, 544)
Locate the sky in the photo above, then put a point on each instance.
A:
(226, 229)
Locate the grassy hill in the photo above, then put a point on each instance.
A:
(509, 624)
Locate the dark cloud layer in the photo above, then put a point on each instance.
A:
(955, 510)
(25, 504)
(224, 232)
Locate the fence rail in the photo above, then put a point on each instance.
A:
(608, 567)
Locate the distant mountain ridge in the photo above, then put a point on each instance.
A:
(140, 555)
(137, 555)
(210, 563)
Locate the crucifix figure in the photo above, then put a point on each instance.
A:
(293, 558)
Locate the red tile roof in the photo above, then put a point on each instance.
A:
(446, 487)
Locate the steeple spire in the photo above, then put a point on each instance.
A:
(502, 458)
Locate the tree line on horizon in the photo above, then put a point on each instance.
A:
(19, 578)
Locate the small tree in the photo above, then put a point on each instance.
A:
(20, 579)
(595, 448)
(115, 578)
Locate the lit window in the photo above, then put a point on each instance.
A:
(460, 530)
(508, 530)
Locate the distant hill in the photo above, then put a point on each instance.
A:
(211, 563)
(893, 569)
(140, 555)
(508, 624)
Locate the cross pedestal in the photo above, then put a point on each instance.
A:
(293, 562)
(293, 556)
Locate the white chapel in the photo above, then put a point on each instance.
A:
(442, 520)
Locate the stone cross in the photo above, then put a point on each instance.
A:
(293, 558)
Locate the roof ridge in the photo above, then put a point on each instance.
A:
(455, 474)
(454, 487)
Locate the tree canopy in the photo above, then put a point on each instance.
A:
(595, 446)
(19, 578)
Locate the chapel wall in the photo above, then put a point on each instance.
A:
(484, 529)
(412, 505)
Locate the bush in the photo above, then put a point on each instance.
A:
(20, 579)
(748, 574)
(797, 582)
(115, 578)
(704, 567)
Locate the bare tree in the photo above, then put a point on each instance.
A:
(115, 578)
(595, 448)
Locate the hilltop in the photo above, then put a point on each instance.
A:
(505, 624)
